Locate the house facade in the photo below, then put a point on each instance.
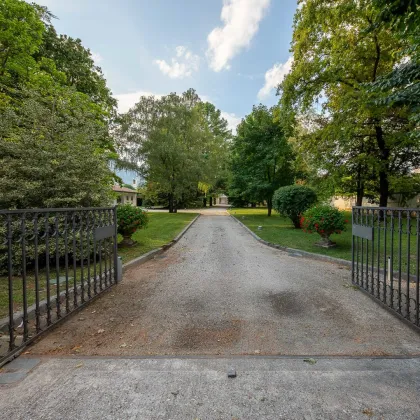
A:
(125, 195)
(222, 199)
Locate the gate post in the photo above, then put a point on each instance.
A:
(352, 245)
(115, 246)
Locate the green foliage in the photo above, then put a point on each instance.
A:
(181, 142)
(55, 114)
(358, 140)
(64, 141)
(293, 200)
(324, 220)
(401, 86)
(130, 219)
(261, 158)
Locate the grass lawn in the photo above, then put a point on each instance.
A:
(279, 230)
(163, 227)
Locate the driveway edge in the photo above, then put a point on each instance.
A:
(154, 252)
(293, 250)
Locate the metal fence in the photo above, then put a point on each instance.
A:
(52, 262)
(386, 259)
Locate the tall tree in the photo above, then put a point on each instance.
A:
(339, 48)
(261, 157)
(52, 131)
(172, 141)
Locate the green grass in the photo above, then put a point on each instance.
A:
(163, 227)
(279, 230)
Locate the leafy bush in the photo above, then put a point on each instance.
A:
(129, 219)
(293, 200)
(323, 219)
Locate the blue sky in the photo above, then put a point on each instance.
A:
(233, 52)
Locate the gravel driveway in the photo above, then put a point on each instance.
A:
(220, 292)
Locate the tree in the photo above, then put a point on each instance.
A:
(217, 153)
(357, 137)
(175, 141)
(51, 154)
(261, 157)
(401, 86)
(76, 62)
(53, 130)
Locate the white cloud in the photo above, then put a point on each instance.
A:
(128, 100)
(241, 20)
(182, 65)
(232, 119)
(274, 76)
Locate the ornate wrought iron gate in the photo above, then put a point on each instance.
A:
(386, 259)
(52, 262)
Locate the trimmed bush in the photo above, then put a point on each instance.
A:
(129, 220)
(324, 220)
(293, 200)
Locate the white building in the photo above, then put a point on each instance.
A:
(125, 195)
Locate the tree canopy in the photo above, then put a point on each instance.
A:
(261, 157)
(178, 142)
(360, 142)
(55, 112)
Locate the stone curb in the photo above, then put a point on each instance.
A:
(154, 252)
(293, 250)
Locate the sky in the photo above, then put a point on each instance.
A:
(232, 52)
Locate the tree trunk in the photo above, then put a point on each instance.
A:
(269, 207)
(296, 222)
(383, 189)
(383, 173)
(171, 203)
(360, 190)
(204, 202)
(359, 197)
(211, 201)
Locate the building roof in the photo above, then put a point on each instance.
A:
(117, 188)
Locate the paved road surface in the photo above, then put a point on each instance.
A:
(221, 294)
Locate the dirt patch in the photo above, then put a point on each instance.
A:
(226, 334)
(286, 303)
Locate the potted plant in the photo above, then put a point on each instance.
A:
(324, 220)
(129, 220)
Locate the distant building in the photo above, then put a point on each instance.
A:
(346, 203)
(222, 200)
(125, 195)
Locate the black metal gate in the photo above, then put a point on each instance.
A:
(52, 262)
(385, 257)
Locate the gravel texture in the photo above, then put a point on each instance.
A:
(220, 292)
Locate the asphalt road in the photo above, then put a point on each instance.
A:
(159, 344)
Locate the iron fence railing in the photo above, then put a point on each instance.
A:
(52, 262)
(386, 257)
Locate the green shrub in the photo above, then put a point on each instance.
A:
(324, 220)
(130, 219)
(293, 200)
